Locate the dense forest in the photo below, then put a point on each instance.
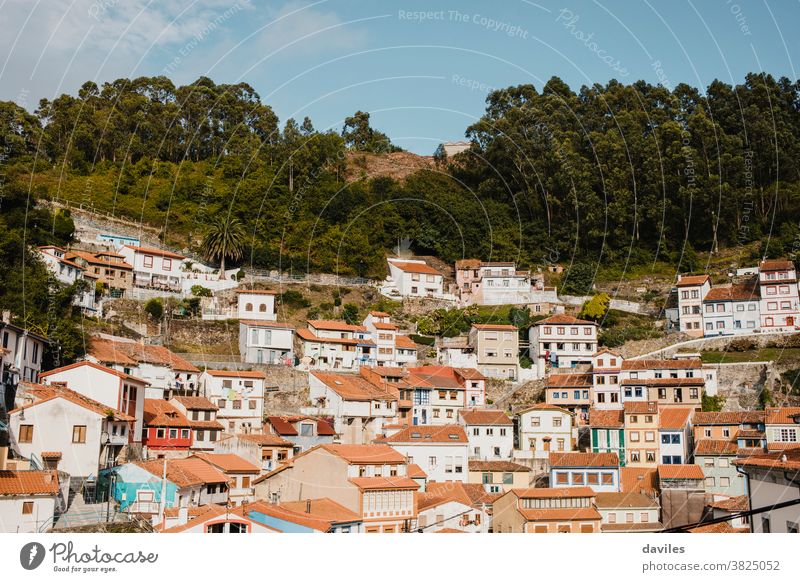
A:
(614, 174)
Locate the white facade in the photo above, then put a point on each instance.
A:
(27, 512)
(780, 308)
(490, 434)
(21, 353)
(55, 426)
(107, 386)
(562, 341)
(452, 515)
(69, 273)
(155, 267)
(263, 342)
(256, 305)
(692, 290)
(239, 397)
(606, 378)
(542, 429)
(414, 278)
(441, 461)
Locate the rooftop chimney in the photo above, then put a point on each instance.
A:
(3, 457)
(308, 506)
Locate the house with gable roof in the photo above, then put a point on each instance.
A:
(369, 480)
(543, 428)
(167, 432)
(28, 500)
(607, 428)
(336, 345)
(201, 414)
(490, 433)
(464, 507)
(600, 471)
(414, 278)
(562, 341)
(547, 510)
(239, 397)
(441, 451)
(304, 432)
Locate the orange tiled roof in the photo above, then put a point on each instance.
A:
(45, 393)
(134, 353)
(472, 494)
(717, 528)
(775, 265)
(414, 471)
(384, 326)
(692, 280)
(256, 292)
(366, 454)
(740, 503)
(606, 418)
(638, 480)
(582, 513)
(310, 336)
(713, 418)
(736, 292)
(713, 447)
(196, 403)
(444, 433)
(501, 466)
(552, 492)
(405, 342)
(382, 483)
(228, 462)
(264, 323)
(485, 416)
(665, 382)
(353, 387)
(156, 252)
(334, 325)
(544, 406)
(641, 407)
(319, 514)
(28, 483)
(410, 267)
(781, 415)
(584, 460)
(784, 460)
(105, 369)
(266, 439)
(159, 412)
(680, 472)
(674, 417)
(184, 472)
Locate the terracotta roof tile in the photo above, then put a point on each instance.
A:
(662, 364)
(781, 415)
(563, 319)
(133, 353)
(414, 471)
(502, 466)
(784, 460)
(319, 514)
(196, 402)
(255, 374)
(692, 280)
(446, 433)
(714, 418)
(640, 407)
(404, 342)
(410, 267)
(775, 265)
(156, 252)
(264, 323)
(28, 483)
(606, 418)
(736, 292)
(494, 327)
(264, 440)
(680, 472)
(607, 500)
(638, 480)
(158, 412)
(711, 447)
(228, 462)
(485, 416)
(584, 460)
(472, 494)
(353, 387)
(335, 325)
(105, 369)
(733, 504)
(366, 454)
(718, 528)
(569, 381)
(45, 393)
(184, 472)
(382, 483)
(674, 418)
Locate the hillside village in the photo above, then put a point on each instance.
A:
(469, 397)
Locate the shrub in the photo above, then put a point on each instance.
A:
(200, 291)
(154, 308)
(350, 313)
(294, 299)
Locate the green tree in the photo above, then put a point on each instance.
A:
(578, 279)
(154, 308)
(595, 308)
(360, 136)
(224, 239)
(350, 313)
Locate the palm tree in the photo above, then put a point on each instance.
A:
(224, 240)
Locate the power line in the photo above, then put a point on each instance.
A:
(748, 513)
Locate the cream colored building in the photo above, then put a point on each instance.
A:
(497, 348)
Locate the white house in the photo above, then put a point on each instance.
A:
(27, 500)
(415, 278)
(69, 273)
(239, 397)
(256, 304)
(454, 506)
(628, 512)
(358, 407)
(266, 342)
(441, 451)
(490, 433)
(456, 351)
(606, 376)
(731, 310)
(544, 428)
(495, 283)
(674, 430)
(336, 345)
(391, 347)
(562, 341)
(167, 373)
(21, 352)
(780, 309)
(782, 427)
(81, 434)
(155, 267)
(771, 479)
(692, 289)
(600, 471)
(110, 387)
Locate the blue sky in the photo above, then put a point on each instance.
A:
(421, 68)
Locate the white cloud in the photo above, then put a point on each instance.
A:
(53, 46)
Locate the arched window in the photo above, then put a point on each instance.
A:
(248, 307)
(262, 308)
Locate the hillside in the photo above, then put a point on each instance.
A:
(394, 165)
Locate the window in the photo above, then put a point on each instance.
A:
(635, 436)
(237, 404)
(635, 457)
(167, 264)
(612, 518)
(221, 403)
(173, 433)
(556, 422)
(708, 461)
(25, 433)
(724, 463)
(629, 517)
(508, 478)
(724, 482)
(562, 478)
(27, 507)
(592, 478)
(79, 434)
(608, 478)
(710, 482)
(148, 261)
(577, 478)
(251, 404)
(184, 433)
